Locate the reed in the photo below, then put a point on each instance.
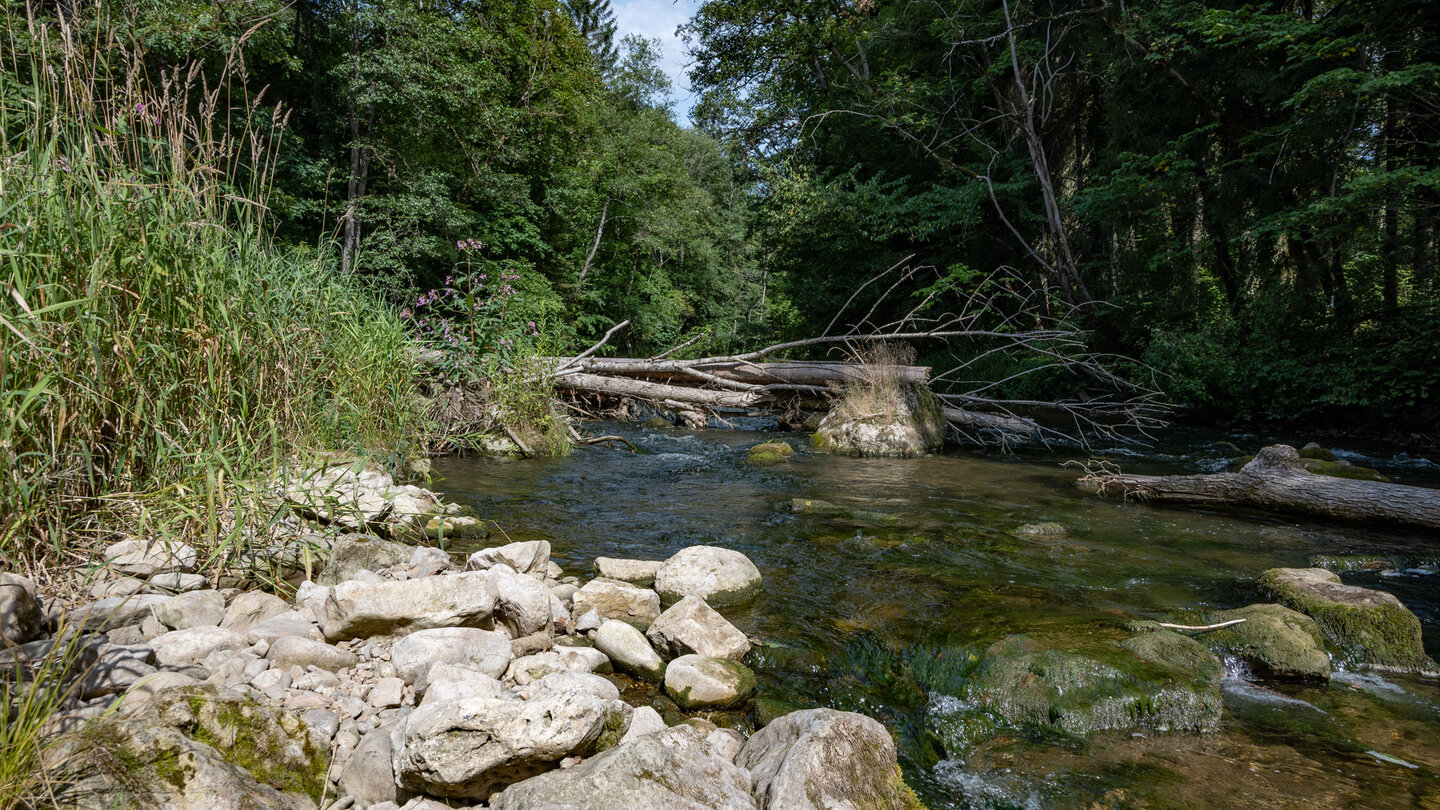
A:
(161, 356)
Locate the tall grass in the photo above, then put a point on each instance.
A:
(159, 353)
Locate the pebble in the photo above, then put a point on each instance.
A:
(322, 720)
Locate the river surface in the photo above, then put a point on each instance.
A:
(861, 613)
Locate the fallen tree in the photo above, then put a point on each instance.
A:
(1000, 322)
(1276, 481)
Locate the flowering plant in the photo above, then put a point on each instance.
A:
(472, 320)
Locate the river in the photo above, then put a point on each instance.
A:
(859, 613)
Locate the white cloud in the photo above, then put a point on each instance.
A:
(658, 19)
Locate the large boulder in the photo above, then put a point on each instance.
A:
(613, 599)
(820, 759)
(531, 557)
(202, 748)
(1275, 641)
(907, 422)
(369, 774)
(21, 618)
(696, 682)
(353, 553)
(362, 609)
(1368, 628)
(360, 499)
(452, 682)
(691, 626)
(486, 651)
(473, 747)
(674, 769)
(629, 651)
(720, 576)
(1162, 682)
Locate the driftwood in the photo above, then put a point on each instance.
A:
(1276, 481)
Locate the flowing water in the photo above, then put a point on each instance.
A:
(882, 611)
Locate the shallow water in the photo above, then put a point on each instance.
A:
(881, 614)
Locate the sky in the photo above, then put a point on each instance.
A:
(658, 19)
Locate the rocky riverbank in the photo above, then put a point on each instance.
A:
(401, 677)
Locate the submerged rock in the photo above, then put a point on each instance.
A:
(720, 576)
(912, 423)
(1277, 642)
(819, 759)
(674, 769)
(1161, 681)
(815, 506)
(1369, 628)
(473, 747)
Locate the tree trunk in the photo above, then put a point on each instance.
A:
(1275, 481)
(815, 373)
(656, 392)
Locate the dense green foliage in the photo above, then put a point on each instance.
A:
(1249, 189)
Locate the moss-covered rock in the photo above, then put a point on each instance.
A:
(1157, 681)
(456, 527)
(1040, 530)
(1277, 642)
(207, 748)
(769, 453)
(1366, 627)
(1315, 451)
(850, 514)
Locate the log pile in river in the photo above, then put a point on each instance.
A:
(1276, 481)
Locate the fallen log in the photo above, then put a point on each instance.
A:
(656, 392)
(816, 373)
(976, 420)
(1276, 481)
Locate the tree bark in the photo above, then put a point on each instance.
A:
(1275, 481)
(815, 373)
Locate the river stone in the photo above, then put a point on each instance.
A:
(820, 759)
(179, 582)
(769, 453)
(21, 617)
(143, 559)
(116, 669)
(121, 586)
(912, 424)
(629, 651)
(1277, 642)
(584, 659)
(531, 557)
(193, 644)
(290, 651)
(446, 681)
(522, 603)
(635, 572)
(193, 609)
(674, 769)
(561, 681)
(486, 651)
(698, 682)
(369, 775)
(531, 668)
(250, 609)
(285, 624)
(116, 611)
(692, 626)
(353, 553)
(472, 747)
(1368, 628)
(720, 576)
(644, 721)
(360, 609)
(613, 599)
(1148, 688)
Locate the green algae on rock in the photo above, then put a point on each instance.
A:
(1278, 643)
(1156, 681)
(769, 453)
(1368, 628)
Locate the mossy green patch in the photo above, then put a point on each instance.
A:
(1366, 627)
(1277, 642)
